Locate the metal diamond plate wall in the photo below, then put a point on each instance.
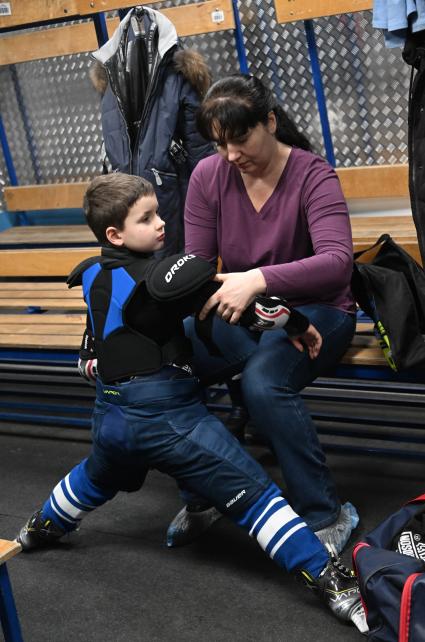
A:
(63, 115)
(278, 55)
(219, 48)
(366, 88)
(52, 118)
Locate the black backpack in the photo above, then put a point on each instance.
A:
(390, 565)
(390, 289)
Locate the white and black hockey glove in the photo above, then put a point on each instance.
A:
(274, 313)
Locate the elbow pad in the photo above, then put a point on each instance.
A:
(273, 313)
(177, 276)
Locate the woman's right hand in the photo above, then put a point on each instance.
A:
(237, 291)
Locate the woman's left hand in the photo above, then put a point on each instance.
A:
(311, 339)
(238, 290)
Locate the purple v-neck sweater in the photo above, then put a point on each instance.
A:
(300, 239)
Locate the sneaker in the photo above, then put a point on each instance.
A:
(188, 525)
(338, 588)
(335, 536)
(38, 532)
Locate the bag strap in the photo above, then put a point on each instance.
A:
(421, 498)
(382, 239)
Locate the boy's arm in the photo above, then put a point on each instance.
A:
(87, 361)
(187, 280)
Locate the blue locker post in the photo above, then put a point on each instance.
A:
(22, 217)
(7, 155)
(101, 28)
(240, 46)
(8, 614)
(320, 94)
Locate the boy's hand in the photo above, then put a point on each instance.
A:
(311, 339)
(88, 369)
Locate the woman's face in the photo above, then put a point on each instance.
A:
(250, 152)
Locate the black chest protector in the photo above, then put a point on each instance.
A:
(135, 309)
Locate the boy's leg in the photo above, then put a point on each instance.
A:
(89, 485)
(270, 374)
(208, 460)
(74, 497)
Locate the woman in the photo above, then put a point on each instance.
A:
(274, 213)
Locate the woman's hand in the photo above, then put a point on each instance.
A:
(238, 290)
(311, 339)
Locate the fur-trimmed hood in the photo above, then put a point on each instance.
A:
(188, 62)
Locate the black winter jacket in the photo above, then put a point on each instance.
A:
(414, 54)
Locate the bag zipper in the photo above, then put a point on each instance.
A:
(405, 604)
(157, 175)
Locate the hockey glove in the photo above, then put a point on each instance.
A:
(88, 369)
(273, 313)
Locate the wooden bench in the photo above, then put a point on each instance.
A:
(42, 321)
(8, 614)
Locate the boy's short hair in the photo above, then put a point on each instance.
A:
(108, 199)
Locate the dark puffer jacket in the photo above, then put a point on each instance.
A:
(151, 91)
(414, 54)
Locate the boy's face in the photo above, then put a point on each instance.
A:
(143, 229)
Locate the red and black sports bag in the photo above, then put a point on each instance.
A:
(390, 565)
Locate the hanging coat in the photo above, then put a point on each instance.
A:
(414, 54)
(151, 91)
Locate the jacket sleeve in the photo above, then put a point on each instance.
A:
(195, 145)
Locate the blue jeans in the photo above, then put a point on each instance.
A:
(273, 375)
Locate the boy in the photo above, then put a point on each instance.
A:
(149, 412)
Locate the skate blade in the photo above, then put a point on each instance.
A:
(358, 618)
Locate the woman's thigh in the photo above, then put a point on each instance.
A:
(278, 362)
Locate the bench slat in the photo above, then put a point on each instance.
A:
(57, 304)
(47, 43)
(42, 320)
(44, 262)
(94, 6)
(291, 10)
(48, 286)
(24, 12)
(189, 20)
(377, 181)
(53, 342)
(52, 329)
(364, 356)
(45, 197)
(8, 549)
(45, 234)
(10, 295)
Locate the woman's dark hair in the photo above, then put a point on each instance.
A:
(239, 102)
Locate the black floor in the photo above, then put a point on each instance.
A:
(116, 581)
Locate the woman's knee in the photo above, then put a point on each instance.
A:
(275, 366)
